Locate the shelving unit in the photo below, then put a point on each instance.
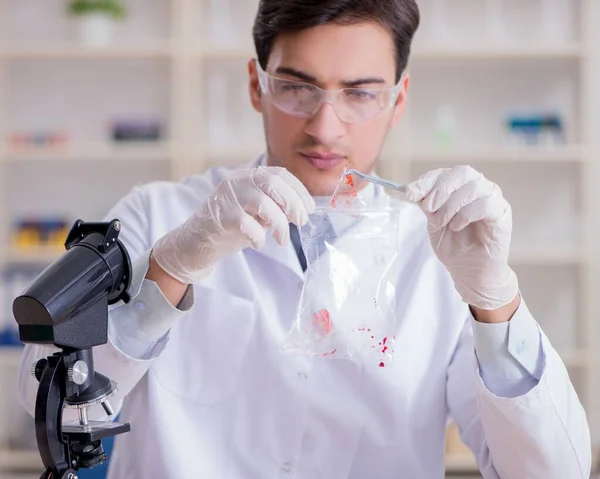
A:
(68, 51)
(164, 64)
(91, 152)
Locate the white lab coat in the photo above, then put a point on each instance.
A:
(215, 398)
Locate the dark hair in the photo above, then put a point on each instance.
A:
(274, 17)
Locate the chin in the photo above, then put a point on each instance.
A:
(317, 186)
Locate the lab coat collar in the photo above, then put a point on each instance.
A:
(286, 254)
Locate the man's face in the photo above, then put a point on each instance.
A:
(317, 148)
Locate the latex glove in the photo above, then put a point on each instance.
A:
(470, 225)
(237, 215)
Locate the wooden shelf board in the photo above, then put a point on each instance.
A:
(218, 52)
(561, 153)
(497, 53)
(74, 51)
(98, 151)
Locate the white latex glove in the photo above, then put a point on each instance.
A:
(236, 216)
(470, 225)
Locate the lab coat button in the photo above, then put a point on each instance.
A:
(302, 375)
(139, 306)
(286, 467)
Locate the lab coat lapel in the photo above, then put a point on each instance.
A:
(286, 255)
(273, 251)
(283, 255)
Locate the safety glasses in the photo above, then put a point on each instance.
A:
(352, 105)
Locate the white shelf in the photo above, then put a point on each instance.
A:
(88, 152)
(15, 460)
(73, 51)
(430, 53)
(496, 53)
(560, 153)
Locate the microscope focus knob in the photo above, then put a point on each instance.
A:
(78, 372)
(37, 368)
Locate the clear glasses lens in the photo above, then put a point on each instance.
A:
(353, 105)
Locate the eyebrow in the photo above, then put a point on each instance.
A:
(310, 78)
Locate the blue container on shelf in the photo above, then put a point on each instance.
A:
(537, 129)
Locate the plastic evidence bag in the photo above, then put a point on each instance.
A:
(347, 308)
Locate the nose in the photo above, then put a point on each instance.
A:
(325, 125)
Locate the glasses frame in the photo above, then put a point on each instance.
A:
(264, 77)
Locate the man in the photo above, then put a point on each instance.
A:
(196, 353)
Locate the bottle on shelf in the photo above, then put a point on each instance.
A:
(445, 127)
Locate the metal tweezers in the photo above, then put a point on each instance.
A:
(375, 179)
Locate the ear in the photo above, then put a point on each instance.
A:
(254, 86)
(401, 100)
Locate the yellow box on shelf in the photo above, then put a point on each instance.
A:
(38, 239)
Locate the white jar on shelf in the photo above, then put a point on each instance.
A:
(445, 127)
(95, 30)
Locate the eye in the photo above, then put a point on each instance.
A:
(296, 87)
(358, 94)
(293, 87)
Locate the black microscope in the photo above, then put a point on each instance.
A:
(67, 306)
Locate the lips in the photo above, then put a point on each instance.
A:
(323, 161)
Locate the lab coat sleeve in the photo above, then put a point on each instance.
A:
(127, 355)
(542, 433)
(509, 354)
(140, 328)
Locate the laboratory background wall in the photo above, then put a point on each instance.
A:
(89, 108)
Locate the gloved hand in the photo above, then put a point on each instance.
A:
(236, 216)
(470, 225)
